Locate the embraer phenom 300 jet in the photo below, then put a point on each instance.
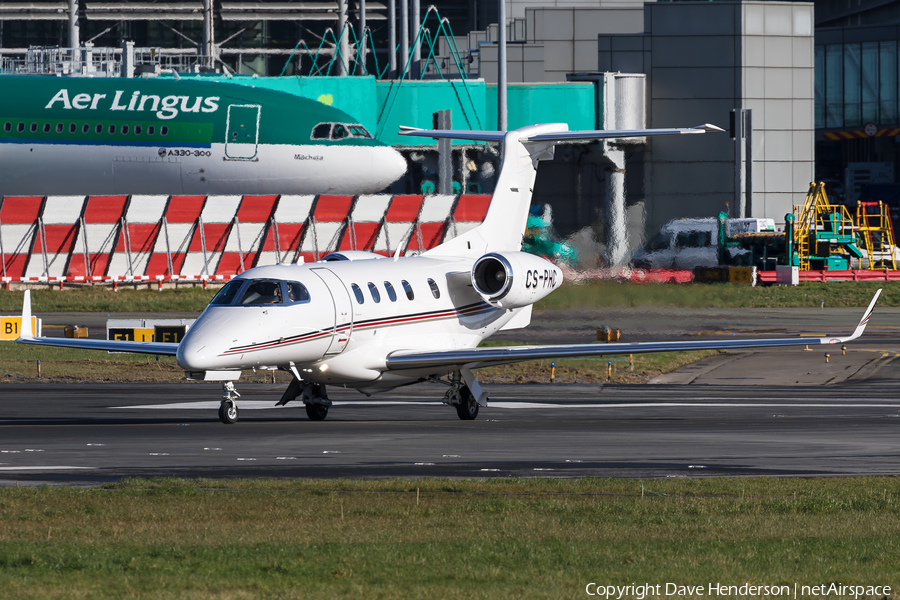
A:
(372, 323)
(81, 136)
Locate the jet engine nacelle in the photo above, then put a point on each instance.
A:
(514, 279)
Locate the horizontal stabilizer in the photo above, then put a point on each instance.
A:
(533, 134)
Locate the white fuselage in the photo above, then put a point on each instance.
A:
(334, 338)
(94, 169)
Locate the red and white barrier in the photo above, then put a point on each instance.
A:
(137, 239)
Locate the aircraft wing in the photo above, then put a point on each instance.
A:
(26, 337)
(486, 357)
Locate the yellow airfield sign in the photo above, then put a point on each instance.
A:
(10, 327)
(147, 330)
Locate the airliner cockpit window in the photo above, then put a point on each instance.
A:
(262, 292)
(228, 292)
(321, 131)
(339, 132)
(359, 131)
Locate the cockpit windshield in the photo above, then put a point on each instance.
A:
(262, 292)
(339, 131)
(255, 292)
(228, 292)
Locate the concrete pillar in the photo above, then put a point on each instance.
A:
(417, 39)
(74, 33)
(404, 36)
(392, 39)
(206, 47)
(501, 67)
(343, 35)
(442, 120)
(128, 59)
(361, 43)
(616, 238)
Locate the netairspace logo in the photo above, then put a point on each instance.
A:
(658, 590)
(166, 107)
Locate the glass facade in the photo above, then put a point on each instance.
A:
(857, 83)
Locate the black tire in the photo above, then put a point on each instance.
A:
(316, 412)
(228, 413)
(467, 410)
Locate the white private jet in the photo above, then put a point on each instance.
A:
(373, 323)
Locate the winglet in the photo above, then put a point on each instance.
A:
(865, 318)
(709, 128)
(25, 332)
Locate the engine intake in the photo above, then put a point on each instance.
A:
(514, 279)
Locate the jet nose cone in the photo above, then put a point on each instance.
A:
(200, 348)
(390, 165)
(194, 355)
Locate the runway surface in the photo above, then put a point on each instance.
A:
(770, 412)
(88, 433)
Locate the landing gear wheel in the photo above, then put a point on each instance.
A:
(467, 409)
(228, 413)
(316, 412)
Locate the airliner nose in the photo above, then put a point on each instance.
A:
(390, 165)
(200, 348)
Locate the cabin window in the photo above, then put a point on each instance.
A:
(339, 132)
(46, 127)
(99, 128)
(228, 292)
(59, 128)
(151, 129)
(85, 128)
(262, 292)
(112, 129)
(390, 291)
(20, 127)
(297, 292)
(321, 131)
(138, 129)
(435, 291)
(360, 132)
(408, 289)
(33, 127)
(358, 293)
(7, 127)
(73, 128)
(164, 130)
(373, 289)
(124, 129)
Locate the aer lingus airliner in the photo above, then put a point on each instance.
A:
(373, 323)
(80, 136)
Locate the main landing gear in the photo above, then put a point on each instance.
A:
(228, 410)
(313, 395)
(461, 397)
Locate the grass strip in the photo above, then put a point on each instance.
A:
(721, 295)
(593, 294)
(438, 538)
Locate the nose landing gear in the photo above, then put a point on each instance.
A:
(228, 410)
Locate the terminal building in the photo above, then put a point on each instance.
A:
(807, 90)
